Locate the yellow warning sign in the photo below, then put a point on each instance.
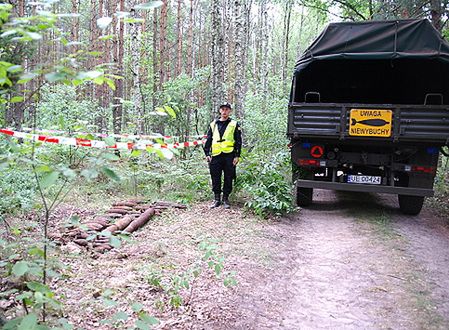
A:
(370, 122)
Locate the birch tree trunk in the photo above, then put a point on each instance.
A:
(264, 47)
(247, 39)
(117, 110)
(217, 58)
(287, 15)
(239, 37)
(227, 34)
(136, 95)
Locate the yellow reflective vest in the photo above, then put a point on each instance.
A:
(224, 144)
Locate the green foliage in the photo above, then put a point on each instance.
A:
(185, 181)
(177, 96)
(356, 10)
(17, 188)
(22, 262)
(59, 108)
(264, 173)
(179, 286)
(142, 319)
(441, 198)
(264, 131)
(266, 183)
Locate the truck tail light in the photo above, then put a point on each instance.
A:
(308, 162)
(311, 162)
(424, 169)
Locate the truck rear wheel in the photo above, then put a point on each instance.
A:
(304, 196)
(411, 205)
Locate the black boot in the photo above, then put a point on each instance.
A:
(226, 204)
(217, 201)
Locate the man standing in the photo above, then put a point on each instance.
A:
(222, 149)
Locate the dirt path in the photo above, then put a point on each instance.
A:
(353, 262)
(350, 261)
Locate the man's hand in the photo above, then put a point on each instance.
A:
(235, 161)
(208, 158)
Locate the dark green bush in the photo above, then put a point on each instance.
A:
(17, 190)
(267, 184)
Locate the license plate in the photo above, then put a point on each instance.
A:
(370, 122)
(365, 179)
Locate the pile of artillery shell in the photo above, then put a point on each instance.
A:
(123, 217)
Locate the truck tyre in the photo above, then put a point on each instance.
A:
(410, 205)
(304, 196)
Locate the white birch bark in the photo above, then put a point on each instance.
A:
(264, 63)
(217, 58)
(239, 37)
(136, 95)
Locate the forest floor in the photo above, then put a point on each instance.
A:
(349, 261)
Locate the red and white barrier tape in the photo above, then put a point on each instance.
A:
(101, 144)
(105, 135)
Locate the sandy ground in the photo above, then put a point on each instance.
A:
(350, 261)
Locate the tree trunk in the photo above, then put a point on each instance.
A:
(180, 36)
(264, 48)
(435, 13)
(227, 34)
(190, 42)
(217, 58)
(163, 74)
(135, 70)
(156, 58)
(246, 43)
(15, 113)
(288, 11)
(117, 110)
(301, 25)
(239, 37)
(76, 25)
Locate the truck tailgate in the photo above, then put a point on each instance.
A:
(418, 123)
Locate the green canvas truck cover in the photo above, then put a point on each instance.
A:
(397, 62)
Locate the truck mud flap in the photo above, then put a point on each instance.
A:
(364, 188)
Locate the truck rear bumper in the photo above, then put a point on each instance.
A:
(365, 188)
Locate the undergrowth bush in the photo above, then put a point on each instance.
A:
(17, 184)
(146, 176)
(267, 184)
(265, 171)
(17, 190)
(441, 198)
(60, 108)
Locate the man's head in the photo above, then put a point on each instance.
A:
(225, 111)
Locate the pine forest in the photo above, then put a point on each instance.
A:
(105, 107)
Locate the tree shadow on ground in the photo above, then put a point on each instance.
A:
(350, 201)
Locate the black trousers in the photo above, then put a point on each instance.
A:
(218, 165)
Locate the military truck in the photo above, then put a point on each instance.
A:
(369, 110)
